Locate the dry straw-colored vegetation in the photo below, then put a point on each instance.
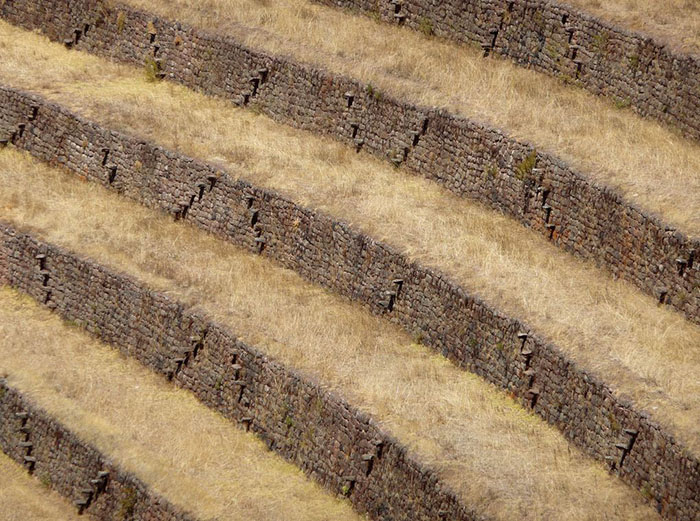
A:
(649, 353)
(23, 498)
(674, 22)
(189, 454)
(649, 163)
(483, 444)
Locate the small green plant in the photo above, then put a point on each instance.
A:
(288, 421)
(374, 93)
(345, 490)
(566, 78)
(490, 170)
(500, 346)
(121, 21)
(622, 103)
(538, 18)
(634, 61)
(255, 108)
(646, 491)
(318, 406)
(600, 42)
(45, 480)
(151, 69)
(127, 505)
(552, 51)
(426, 26)
(101, 13)
(419, 337)
(526, 166)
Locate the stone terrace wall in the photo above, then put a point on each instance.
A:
(540, 191)
(567, 43)
(330, 253)
(330, 440)
(67, 464)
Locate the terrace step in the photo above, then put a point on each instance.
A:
(649, 90)
(323, 311)
(150, 429)
(20, 492)
(589, 231)
(282, 241)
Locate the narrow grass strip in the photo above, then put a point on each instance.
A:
(29, 499)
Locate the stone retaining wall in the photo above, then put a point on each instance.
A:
(75, 468)
(539, 190)
(565, 42)
(423, 301)
(331, 441)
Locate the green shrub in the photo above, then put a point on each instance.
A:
(526, 166)
(426, 26)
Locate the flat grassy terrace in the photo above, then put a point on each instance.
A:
(26, 498)
(650, 354)
(187, 453)
(673, 22)
(649, 163)
(482, 443)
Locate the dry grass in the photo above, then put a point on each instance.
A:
(649, 353)
(191, 455)
(649, 163)
(674, 22)
(484, 445)
(23, 498)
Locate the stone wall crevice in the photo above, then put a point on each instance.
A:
(591, 221)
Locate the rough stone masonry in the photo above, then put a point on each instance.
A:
(332, 441)
(539, 190)
(330, 253)
(565, 42)
(75, 468)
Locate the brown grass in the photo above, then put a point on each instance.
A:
(674, 22)
(650, 353)
(191, 455)
(484, 445)
(23, 498)
(650, 164)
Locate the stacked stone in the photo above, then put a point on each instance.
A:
(331, 253)
(332, 441)
(565, 42)
(470, 159)
(74, 467)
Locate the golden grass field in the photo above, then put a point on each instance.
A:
(23, 498)
(649, 163)
(649, 353)
(673, 22)
(192, 456)
(483, 444)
